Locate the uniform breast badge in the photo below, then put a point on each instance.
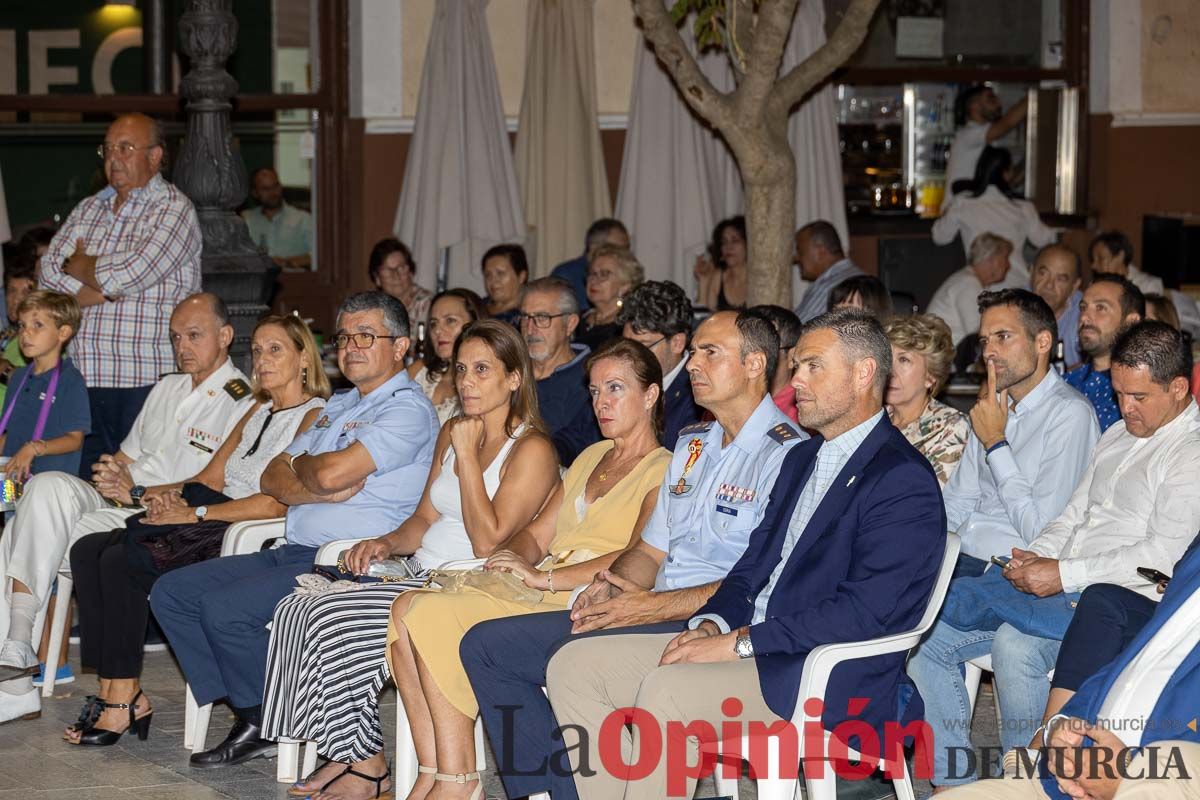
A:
(695, 447)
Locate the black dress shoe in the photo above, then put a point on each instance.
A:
(241, 745)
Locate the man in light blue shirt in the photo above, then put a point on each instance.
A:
(1056, 278)
(284, 231)
(822, 260)
(358, 472)
(713, 496)
(1031, 435)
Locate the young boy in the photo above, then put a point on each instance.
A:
(46, 413)
(19, 281)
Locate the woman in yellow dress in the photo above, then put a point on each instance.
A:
(598, 512)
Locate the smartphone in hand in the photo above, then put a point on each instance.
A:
(1153, 575)
(1001, 561)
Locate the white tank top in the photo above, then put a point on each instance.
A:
(446, 539)
(267, 432)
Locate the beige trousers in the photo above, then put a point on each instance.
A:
(589, 679)
(1131, 789)
(55, 511)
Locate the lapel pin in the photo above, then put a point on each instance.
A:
(852, 477)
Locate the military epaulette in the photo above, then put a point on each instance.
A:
(695, 427)
(782, 433)
(237, 388)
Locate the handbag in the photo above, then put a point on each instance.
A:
(173, 546)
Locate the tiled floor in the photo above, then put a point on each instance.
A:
(36, 763)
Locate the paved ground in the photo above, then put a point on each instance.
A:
(36, 763)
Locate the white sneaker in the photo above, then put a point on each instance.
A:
(17, 660)
(20, 706)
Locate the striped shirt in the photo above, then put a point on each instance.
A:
(148, 261)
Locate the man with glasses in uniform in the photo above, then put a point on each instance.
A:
(358, 472)
(548, 318)
(129, 255)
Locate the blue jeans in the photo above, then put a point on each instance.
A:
(215, 614)
(1021, 663)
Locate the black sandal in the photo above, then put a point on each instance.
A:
(99, 737)
(93, 707)
(294, 789)
(379, 793)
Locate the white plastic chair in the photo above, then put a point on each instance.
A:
(813, 683)
(241, 538)
(59, 625)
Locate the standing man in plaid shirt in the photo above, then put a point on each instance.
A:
(129, 255)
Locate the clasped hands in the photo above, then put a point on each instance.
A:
(1033, 574)
(1095, 777)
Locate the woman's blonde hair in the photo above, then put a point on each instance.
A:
(929, 336)
(503, 340)
(629, 271)
(315, 381)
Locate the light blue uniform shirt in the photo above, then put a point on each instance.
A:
(704, 515)
(831, 458)
(1000, 501)
(287, 234)
(398, 426)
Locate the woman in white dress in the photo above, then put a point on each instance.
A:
(990, 207)
(450, 312)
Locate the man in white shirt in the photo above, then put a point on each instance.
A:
(986, 121)
(1022, 460)
(183, 422)
(1136, 505)
(957, 300)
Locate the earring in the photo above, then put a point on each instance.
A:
(304, 374)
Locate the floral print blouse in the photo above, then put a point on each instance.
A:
(939, 434)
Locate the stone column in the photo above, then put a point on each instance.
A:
(210, 171)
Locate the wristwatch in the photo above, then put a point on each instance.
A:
(743, 646)
(201, 512)
(136, 494)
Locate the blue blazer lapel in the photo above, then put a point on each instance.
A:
(841, 490)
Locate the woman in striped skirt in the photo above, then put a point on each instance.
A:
(493, 469)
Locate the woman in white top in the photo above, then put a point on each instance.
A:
(493, 469)
(989, 207)
(185, 523)
(451, 311)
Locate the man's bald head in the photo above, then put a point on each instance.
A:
(1055, 276)
(135, 147)
(201, 335)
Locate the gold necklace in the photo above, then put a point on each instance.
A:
(603, 476)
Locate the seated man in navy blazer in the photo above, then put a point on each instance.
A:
(1138, 715)
(848, 550)
(659, 315)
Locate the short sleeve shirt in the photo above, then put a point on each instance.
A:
(287, 234)
(69, 411)
(397, 425)
(713, 497)
(180, 428)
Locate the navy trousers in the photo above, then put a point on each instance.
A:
(215, 614)
(113, 413)
(1105, 622)
(506, 661)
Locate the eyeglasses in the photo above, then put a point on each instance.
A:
(124, 149)
(600, 275)
(651, 345)
(539, 320)
(362, 341)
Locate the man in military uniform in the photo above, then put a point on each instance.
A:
(184, 420)
(713, 496)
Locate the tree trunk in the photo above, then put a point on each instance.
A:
(769, 178)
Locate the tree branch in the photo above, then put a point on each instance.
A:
(771, 30)
(851, 31)
(697, 90)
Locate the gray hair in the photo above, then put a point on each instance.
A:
(395, 315)
(568, 303)
(987, 245)
(861, 336)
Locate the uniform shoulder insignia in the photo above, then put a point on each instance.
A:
(782, 433)
(237, 388)
(695, 427)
